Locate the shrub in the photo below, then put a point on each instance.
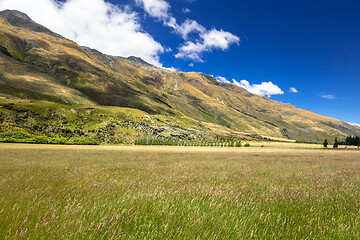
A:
(40, 140)
(58, 140)
(247, 145)
(82, 141)
(238, 144)
(15, 135)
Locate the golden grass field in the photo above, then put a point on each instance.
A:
(147, 192)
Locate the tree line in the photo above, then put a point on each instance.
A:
(349, 141)
(352, 141)
(194, 143)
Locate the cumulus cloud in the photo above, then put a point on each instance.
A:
(97, 24)
(222, 79)
(160, 10)
(264, 89)
(191, 65)
(173, 69)
(328, 96)
(116, 30)
(187, 27)
(155, 8)
(207, 40)
(293, 90)
(355, 124)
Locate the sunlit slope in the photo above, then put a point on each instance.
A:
(39, 64)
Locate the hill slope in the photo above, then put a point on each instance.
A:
(38, 64)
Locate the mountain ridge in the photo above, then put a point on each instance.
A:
(50, 67)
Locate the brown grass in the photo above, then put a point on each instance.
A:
(110, 192)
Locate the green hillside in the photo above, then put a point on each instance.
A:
(37, 64)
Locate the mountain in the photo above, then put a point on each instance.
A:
(38, 64)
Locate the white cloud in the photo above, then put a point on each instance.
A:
(210, 40)
(96, 24)
(160, 9)
(186, 10)
(207, 40)
(219, 39)
(173, 69)
(355, 124)
(264, 89)
(222, 79)
(187, 27)
(116, 30)
(191, 64)
(155, 8)
(293, 90)
(328, 96)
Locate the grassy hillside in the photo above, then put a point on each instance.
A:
(37, 121)
(38, 64)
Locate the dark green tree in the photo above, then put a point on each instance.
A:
(348, 140)
(352, 140)
(336, 144)
(325, 143)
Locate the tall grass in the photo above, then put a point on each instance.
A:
(178, 193)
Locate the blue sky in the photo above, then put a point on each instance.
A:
(312, 46)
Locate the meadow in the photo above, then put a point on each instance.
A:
(149, 192)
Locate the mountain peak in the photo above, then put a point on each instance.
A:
(138, 60)
(19, 19)
(11, 15)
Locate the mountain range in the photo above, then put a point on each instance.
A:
(41, 67)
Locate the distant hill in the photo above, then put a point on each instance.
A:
(37, 64)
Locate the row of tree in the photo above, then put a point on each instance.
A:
(350, 141)
(326, 143)
(195, 143)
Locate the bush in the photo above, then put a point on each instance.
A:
(59, 140)
(238, 144)
(82, 141)
(40, 140)
(11, 140)
(247, 145)
(15, 135)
